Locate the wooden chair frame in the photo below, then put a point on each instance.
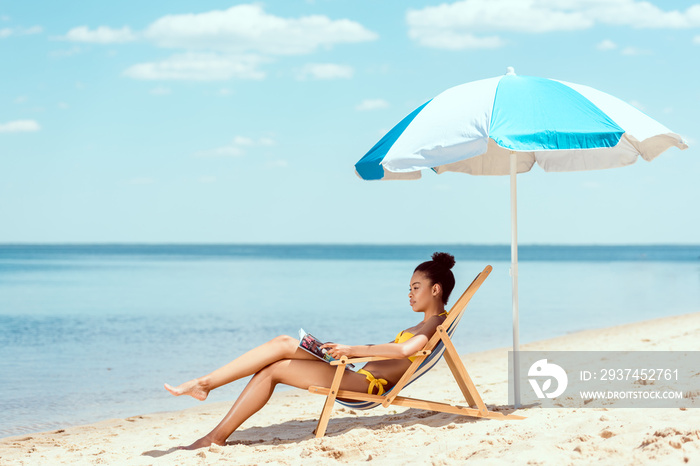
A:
(476, 407)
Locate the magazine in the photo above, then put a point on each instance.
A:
(312, 345)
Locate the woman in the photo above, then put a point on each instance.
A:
(280, 360)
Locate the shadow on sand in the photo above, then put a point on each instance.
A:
(296, 431)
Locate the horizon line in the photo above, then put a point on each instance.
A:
(147, 243)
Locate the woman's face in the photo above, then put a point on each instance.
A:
(421, 295)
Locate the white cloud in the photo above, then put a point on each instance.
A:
(696, 40)
(247, 28)
(590, 185)
(160, 90)
(64, 53)
(246, 141)
(20, 99)
(226, 44)
(101, 35)
(225, 151)
(235, 149)
(325, 71)
(452, 40)
(141, 181)
(19, 126)
(199, 67)
(503, 15)
(225, 91)
(277, 164)
(372, 104)
(606, 44)
(63, 105)
(20, 31)
(243, 141)
(233, 43)
(639, 14)
(32, 30)
(632, 51)
(457, 25)
(206, 179)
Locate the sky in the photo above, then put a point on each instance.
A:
(232, 122)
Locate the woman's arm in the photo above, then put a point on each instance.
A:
(387, 350)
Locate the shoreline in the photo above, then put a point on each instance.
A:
(282, 431)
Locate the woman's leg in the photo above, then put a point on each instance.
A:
(294, 372)
(281, 347)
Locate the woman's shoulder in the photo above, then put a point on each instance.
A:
(430, 324)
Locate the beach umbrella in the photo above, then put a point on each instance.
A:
(502, 126)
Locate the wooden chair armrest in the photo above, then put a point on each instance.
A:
(338, 362)
(345, 360)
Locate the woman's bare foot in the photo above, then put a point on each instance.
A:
(202, 443)
(196, 388)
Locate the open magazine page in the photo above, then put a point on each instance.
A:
(312, 345)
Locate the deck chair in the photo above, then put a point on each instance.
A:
(426, 359)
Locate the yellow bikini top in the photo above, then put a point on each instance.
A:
(403, 335)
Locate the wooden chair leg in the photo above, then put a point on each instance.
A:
(454, 362)
(330, 400)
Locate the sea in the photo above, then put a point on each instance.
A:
(91, 332)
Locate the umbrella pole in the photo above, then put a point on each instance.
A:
(514, 274)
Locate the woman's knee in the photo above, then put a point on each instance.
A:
(289, 344)
(273, 371)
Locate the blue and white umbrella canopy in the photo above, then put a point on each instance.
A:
(502, 126)
(472, 128)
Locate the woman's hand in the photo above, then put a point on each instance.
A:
(337, 350)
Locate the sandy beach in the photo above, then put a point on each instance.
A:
(282, 432)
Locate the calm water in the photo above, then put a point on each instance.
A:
(92, 332)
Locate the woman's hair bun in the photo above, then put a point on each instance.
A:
(438, 271)
(444, 259)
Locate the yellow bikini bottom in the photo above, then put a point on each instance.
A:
(373, 382)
